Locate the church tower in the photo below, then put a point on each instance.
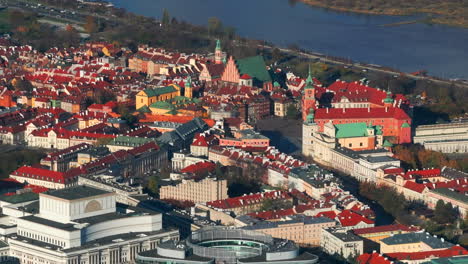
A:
(218, 53)
(388, 101)
(309, 129)
(308, 96)
(188, 87)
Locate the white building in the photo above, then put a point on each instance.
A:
(446, 138)
(183, 160)
(83, 225)
(342, 242)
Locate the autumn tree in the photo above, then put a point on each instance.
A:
(90, 25)
(215, 26)
(444, 213)
(152, 186)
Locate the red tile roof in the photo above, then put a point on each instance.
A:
(199, 167)
(445, 253)
(417, 187)
(348, 218)
(361, 113)
(248, 199)
(374, 258)
(385, 228)
(42, 174)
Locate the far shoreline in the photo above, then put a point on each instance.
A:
(440, 19)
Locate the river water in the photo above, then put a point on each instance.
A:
(442, 50)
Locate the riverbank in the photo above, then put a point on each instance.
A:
(445, 14)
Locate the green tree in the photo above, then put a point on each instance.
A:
(166, 18)
(292, 112)
(440, 212)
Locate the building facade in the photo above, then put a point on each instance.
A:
(202, 191)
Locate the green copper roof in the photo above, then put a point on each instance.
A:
(378, 130)
(159, 91)
(276, 84)
(451, 260)
(144, 109)
(130, 141)
(389, 98)
(405, 125)
(351, 130)
(188, 82)
(387, 144)
(218, 44)
(162, 105)
(255, 67)
(20, 198)
(309, 80)
(173, 112)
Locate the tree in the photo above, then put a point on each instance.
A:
(153, 185)
(215, 26)
(90, 25)
(23, 85)
(230, 32)
(103, 141)
(166, 18)
(17, 18)
(270, 205)
(292, 112)
(444, 213)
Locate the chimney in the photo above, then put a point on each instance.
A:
(386, 109)
(368, 109)
(327, 110)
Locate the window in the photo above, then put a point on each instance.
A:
(350, 145)
(360, 144)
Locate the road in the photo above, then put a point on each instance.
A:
(366, 67)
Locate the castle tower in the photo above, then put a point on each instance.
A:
(308, 96)
(218, 53)
(188, 87)
(388, 101)
(309, 129)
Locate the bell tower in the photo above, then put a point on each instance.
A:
(218, 53)
(308, 96)
(188, 87)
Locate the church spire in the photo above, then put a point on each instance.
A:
(188, 87)
(188, 82)
(218, 53)
(310, 80)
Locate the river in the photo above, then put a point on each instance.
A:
(440, 49)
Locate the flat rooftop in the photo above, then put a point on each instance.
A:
(77, 192)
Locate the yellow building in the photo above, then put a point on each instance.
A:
(150, 96)
(202, 191)
(413, 242)
(378, 233)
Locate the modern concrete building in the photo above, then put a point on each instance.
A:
(83, 225)
(446, 138)
(227, 245)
